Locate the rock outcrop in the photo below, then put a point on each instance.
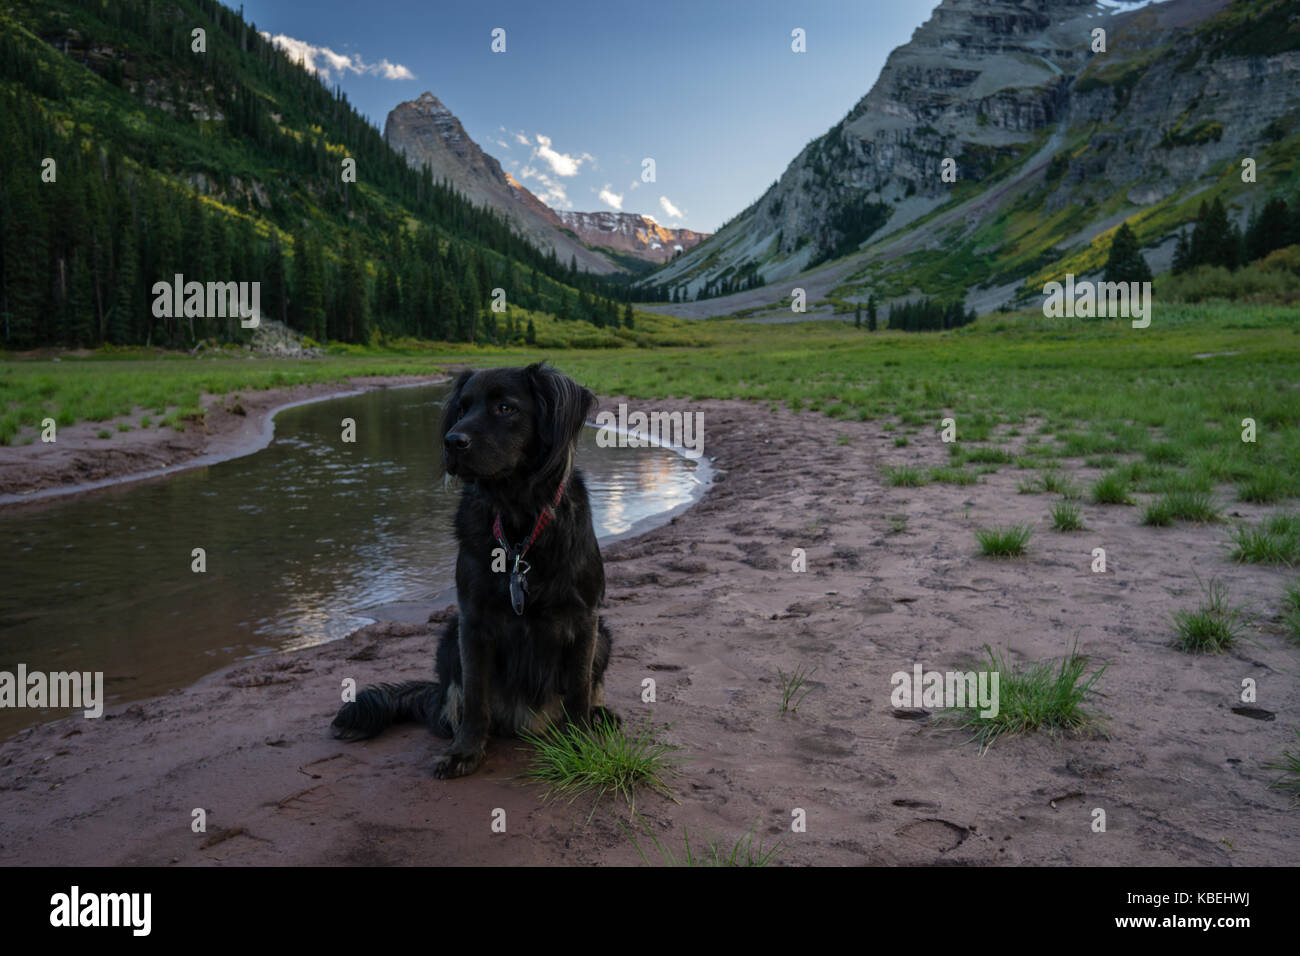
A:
(1016, 95)
(428, 133)
(631, 233)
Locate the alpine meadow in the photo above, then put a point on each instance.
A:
(725, 434)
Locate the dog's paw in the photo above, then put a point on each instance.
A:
(457, 764)
(603, 715)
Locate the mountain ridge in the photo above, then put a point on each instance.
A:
(1060, 143)
(426, 131)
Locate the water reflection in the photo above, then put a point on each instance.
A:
(298, 539)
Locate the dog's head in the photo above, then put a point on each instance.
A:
(513, 425)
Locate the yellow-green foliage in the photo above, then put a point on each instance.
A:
(1274, 279)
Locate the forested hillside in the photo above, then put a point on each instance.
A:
(228, 164)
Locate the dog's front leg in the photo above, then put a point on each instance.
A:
(470, 742)
(577, 698)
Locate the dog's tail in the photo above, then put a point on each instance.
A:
(385, 704)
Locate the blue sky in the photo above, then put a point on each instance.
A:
(710, 90)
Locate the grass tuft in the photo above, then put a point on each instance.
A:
(1273, 541)
(1039, 696)
(1111, 489)
(1289, 764)
(573, 759)
(791, 685)
(904, 476)
(1008, 542)
(1213, 627)
(713, 853)
(1291, 611)
(1066, 516)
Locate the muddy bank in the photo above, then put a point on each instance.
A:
(79, 461)
(708, 607)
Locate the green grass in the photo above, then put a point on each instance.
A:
(1274, 541)
(1003, 542)
(794, 688)
(1092, 386)
(1213, 627)
(1289, 764)
(1035, 697)
(1157, 514)
(1195, 506)
(1111, 489)
(903, 476)
(1066, 516)
(986, 455)
(1054, 482)
(1291, 611)
(711, 852)
(572, 759)
(948, 475)
(1265, 486)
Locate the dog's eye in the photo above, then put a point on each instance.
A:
(504, 408)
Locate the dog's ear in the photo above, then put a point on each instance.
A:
(562, 407)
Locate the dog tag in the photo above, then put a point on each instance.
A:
(518, 586)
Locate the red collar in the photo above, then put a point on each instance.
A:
(543, 520)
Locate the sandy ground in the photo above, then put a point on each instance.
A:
(708, 607)
(79, 461)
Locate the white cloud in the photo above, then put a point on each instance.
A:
(666, 204)
(522, 139)
(562, 164)
(324, 62)
(550, 192)
(502, 143)
(611, 198)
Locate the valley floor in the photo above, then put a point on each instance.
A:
(709, 607)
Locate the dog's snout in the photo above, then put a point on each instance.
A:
(456, 441)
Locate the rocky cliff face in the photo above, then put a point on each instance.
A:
(631, 233)
(427, 132)
(1013, 92)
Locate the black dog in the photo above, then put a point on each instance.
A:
(528, 647)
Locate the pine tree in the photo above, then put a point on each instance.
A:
(1268, 230)
(627, 316)
(81, 303)
(126, 307)
(1215, 241)
(1182, 254)
(1126, 263)
(531, 336)
(275, 291)
(857, 316)
(356, 306)
(23, 264)
(871, 312)
(308, 288)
